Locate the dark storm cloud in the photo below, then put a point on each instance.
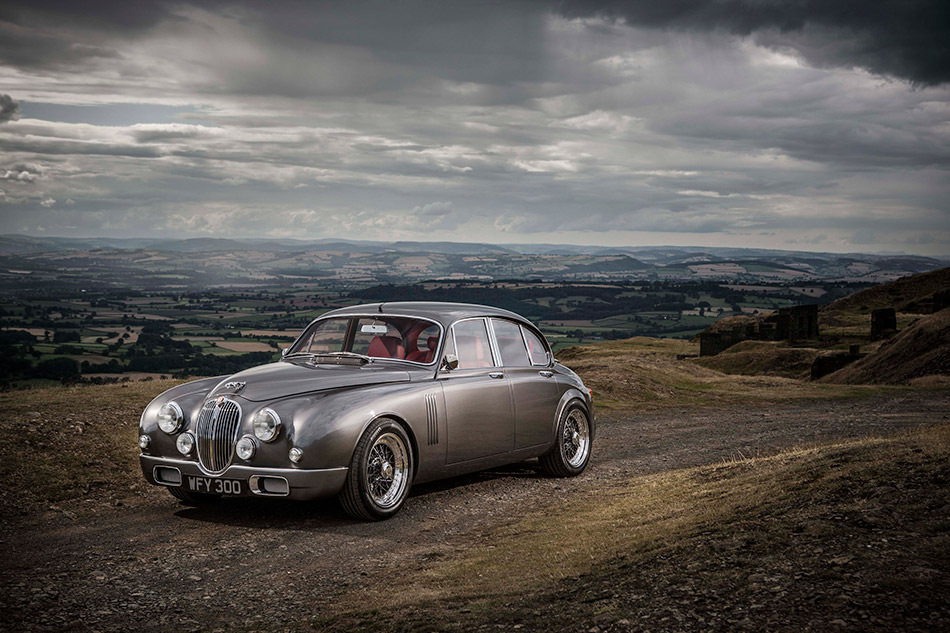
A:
(909, 39)
(9, 109)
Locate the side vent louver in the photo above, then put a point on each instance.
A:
(432, 418)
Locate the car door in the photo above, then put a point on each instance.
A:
(533, 387)
(477, 398)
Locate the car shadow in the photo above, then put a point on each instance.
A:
(328, 515)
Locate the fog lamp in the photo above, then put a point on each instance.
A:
(144, 441)
(245, 448)
(185, 443)
(296, 455)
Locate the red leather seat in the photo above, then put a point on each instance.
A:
(386, 347)
(425, 355)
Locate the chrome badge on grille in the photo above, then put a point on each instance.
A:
(235, 385)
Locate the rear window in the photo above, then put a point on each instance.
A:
(536, 349)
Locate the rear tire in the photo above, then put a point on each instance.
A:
(571, 451)
(380, 473)
(196, 499)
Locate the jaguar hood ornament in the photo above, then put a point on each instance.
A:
(234, 385)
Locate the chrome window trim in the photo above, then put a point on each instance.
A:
(373, 315)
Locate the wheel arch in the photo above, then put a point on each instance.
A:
(567, 399)
(400, 420)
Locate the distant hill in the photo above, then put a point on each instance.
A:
(903, 294)
(923, 349)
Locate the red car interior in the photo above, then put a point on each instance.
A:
(386, 347)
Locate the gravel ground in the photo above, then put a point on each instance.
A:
(150, 564)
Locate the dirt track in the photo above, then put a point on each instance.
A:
(152, 564)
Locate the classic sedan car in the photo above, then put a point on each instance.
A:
(367, 401)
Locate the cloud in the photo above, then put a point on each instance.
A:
(892, 37)
(605, 122)
(9, 109)
(47, 202)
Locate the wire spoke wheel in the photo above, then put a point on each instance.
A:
(575, 438)
(387, 470)
(570, 453)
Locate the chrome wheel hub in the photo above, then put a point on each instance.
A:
(575, 441)
(387, 470)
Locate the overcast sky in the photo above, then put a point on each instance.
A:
(808, 125)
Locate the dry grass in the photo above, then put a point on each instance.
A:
(649, 514)
(245, 346)
(65, 443)
(919, 351)
(644, 373)
(763, 358)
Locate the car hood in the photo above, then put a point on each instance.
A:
(290, 378)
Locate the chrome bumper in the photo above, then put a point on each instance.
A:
(301, 484)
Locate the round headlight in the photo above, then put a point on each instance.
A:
(295, 455)
(170, 417)
(185, 443)
(245, 448)
(144, 441)
(266, 425)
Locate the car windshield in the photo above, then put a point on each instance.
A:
(390, 337)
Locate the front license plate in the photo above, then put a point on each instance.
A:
(214, 485)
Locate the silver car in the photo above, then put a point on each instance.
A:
(369, 400)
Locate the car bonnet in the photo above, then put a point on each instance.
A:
(289, 378)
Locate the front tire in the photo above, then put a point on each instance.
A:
(380, 472)
(571, 451)
(196, 499)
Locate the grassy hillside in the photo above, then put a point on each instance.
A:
(645, 373)
(921, 350)
(903, 295)
(805, 540)
(66, 443)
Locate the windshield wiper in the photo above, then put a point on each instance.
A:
(338, 356)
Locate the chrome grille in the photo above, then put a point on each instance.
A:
(219, 423)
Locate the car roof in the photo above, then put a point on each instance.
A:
(441, 312)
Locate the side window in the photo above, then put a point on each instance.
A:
(471, 344)
(536, 350)
(510, 343)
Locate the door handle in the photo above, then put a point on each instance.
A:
(546, 374)
(496, 374)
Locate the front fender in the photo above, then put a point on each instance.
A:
(327, 426)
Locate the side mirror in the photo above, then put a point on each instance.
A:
(284, 351)
(450, 362)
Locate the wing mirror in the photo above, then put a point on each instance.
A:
(284, 351)
(450, 362)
